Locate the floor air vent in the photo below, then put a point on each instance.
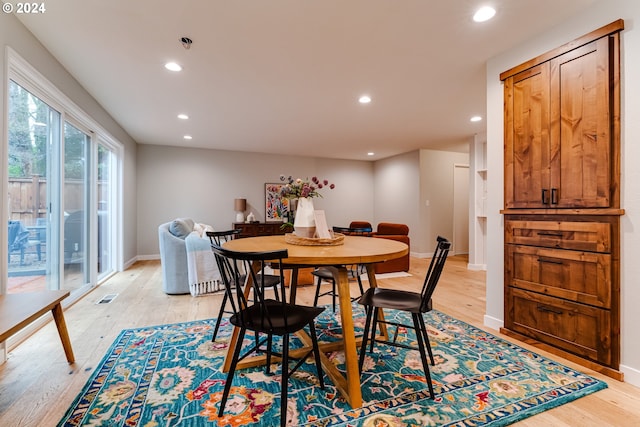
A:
(107, 299)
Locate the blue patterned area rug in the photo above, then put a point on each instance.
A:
(169, 375)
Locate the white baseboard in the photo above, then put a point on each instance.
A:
(129, 263)
(133, 260)
(477, 267)
(493, 323)
(631, 375)
(421, 254)
(147, 257)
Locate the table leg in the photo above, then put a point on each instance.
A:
(58, 316)
(353, 389)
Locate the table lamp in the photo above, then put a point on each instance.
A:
(240, 205)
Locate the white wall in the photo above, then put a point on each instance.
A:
(201, 184)
(397, 197)
(16, 36)
(404, 184)
(599, 14)
(436, 196)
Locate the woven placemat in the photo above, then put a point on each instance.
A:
(338, 239)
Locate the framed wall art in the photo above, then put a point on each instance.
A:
(276, 207)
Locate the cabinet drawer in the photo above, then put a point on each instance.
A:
(266, 229)
(245, 230)
(582, 236)
(583, 277)
(577, 328)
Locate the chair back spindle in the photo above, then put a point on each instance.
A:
(242, 269)
(434, 271)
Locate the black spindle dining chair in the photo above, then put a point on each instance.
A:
(264, 316)
(376, 299)
(271, 281)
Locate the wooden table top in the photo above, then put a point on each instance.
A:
(18, 310)
(355, 250)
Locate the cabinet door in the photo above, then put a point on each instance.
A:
(527, 138)
(577, 328)
(583, 277)
(581, 127)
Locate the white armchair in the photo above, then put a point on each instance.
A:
(188, 264)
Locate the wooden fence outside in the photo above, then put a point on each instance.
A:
(28, 198)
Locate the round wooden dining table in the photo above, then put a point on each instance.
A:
(354, 250)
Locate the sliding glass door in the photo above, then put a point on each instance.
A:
(77, 251)
(34, 132)
(61, 199)
(107, 165)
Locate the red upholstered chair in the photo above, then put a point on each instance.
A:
(399, 232)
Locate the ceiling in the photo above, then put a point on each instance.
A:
(284, 76)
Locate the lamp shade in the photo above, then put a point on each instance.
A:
(240, 205)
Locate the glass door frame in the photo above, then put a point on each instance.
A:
(22, 73)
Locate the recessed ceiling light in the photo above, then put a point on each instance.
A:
(172, 66)
(364, 99)
(484, 14)
(370, 153)
(476, 118)
(183, 116)
(188, 137)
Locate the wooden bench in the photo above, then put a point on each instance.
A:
(19, 310)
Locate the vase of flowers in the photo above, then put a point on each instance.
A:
(304, 223)
(303, 191)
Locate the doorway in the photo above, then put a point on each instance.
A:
(460, 209)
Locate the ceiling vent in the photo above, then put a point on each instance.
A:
(186, 42)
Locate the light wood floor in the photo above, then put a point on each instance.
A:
(37, 385)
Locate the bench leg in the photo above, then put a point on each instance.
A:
(58, 316)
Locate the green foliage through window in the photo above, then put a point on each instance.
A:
(28, 133)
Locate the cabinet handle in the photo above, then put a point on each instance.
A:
(554, 196)
(550, 261)
(549, 234)
(544, 196)
(548, 310)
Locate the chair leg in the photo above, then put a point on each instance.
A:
(423, 354)
(333, 294)
(316, 352)
(426, 339)
(363, 346)
(269, 349)
(284, 384)
(315, 299)
(359, 280)
(232, 370)
(374, 323)
(222, 306)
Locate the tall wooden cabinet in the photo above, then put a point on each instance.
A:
(562, 199)
(558, 136)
